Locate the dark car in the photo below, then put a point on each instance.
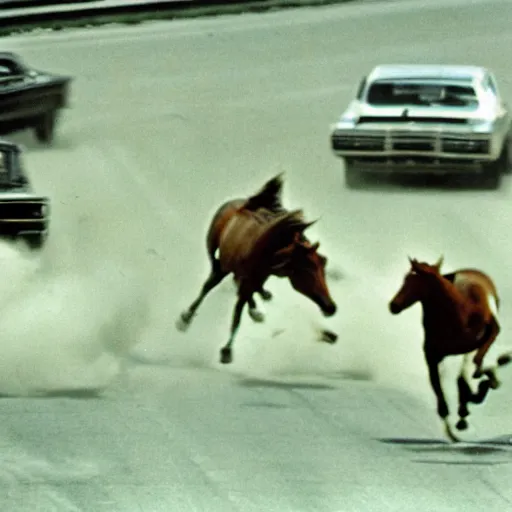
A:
(22, 212)
(30, 98)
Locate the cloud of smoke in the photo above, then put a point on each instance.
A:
(64, 330)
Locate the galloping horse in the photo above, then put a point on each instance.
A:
(256, 238)
(460, 312)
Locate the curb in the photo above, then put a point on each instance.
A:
(15, 21)
(24, 4)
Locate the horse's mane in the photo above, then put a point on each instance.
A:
(269, 197)
(450, 277)
(280, 232)
(474, 321)
(451, 290)
(444, 282)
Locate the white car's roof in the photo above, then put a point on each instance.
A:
(427, 71)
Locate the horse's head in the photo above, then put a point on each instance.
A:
(416, 286)
(305, 268)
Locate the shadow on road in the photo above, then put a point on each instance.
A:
(271, 383)
(62, 393)
(471, 451)
(412, 182)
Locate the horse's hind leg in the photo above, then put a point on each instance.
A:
(265, 294)
(225, 352)
(467, 396)
(504, 359)
(215, 277)
(491, 332)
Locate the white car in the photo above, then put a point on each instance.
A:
(434, 119)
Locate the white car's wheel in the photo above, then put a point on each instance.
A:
(507, 157)
(353, 178)
(492, 174)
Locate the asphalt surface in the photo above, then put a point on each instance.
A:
(167, 121)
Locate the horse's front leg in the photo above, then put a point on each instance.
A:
(465, 393)
(433, 362)
(226, 352)
(254, 312)
(464, 398)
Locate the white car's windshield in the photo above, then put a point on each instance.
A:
(422, 94)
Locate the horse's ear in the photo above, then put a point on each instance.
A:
(439, 263)
(315, 247)
(415, 265)
(306, 225)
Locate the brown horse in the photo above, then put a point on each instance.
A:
(460, 312)
(256, 238)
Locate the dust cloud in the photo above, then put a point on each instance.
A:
(64, 330)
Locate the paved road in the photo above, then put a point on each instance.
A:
(167, 121)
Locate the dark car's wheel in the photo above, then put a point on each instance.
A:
(45, 128)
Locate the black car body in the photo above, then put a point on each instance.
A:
(22, 212)
(30, 98)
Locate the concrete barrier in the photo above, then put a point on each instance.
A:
(97, 12)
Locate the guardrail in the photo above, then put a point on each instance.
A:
(97, 12)
(17, 4)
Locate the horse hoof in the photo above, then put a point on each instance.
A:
(257, 316)
(477, 374)
(451, 436)
(504, 359)
(494, 383)
(462, 424)
(266, 295)
(226, 356)
(328, 336)
(182, 323)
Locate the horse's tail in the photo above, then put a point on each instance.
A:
(269, 197)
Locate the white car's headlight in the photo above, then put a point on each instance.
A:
(481, 125)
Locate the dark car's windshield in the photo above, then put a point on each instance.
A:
(414, 93)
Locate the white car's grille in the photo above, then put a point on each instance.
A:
(358, 142)
(412, 142)
(402, 142)
(457, 145)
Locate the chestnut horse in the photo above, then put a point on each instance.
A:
(460, 311)
(255, 239)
